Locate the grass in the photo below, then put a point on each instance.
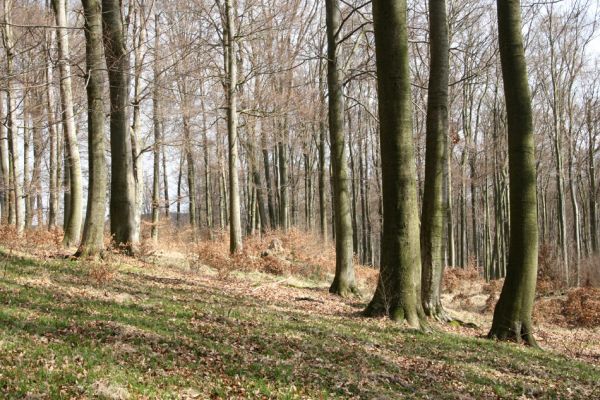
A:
(162, 333)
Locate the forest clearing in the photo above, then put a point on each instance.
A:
(171, 326)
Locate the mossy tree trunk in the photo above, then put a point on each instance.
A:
(398, 292)
(92, 242)
(512, 315)
(433, 213)
(344, 281)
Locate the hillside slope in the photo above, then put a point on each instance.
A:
(77, 329)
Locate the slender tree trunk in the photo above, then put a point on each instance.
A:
(136, 126)
(398, 292)
(165, 176)
(73, 226)
(156, 119)
(92, 242)
(512, 315)
(592, 177)
(235, 223)
(322, 167)
(432, 216)
(344, 282)
(27, 195)
(4, 164)
(267, 168)
(449, 213)
(283, 180)
(207, 175)
(122, 193)
(12, 131)
(52, 137)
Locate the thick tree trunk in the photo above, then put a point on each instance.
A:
(73, 226)
(512, 315)
(122, 193)
(398, 292)
(344, 282)
(92, 242)
(432, 216)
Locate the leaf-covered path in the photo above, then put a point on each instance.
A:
(169, 332)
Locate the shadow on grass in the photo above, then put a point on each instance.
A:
(182, 334)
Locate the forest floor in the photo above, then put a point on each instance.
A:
(159, 328)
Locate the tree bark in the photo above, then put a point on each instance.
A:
(398, 293)
(432, 216)
(512, 315)
(73, 227)
(344, 281)
(92, 242)
(122, 193)
(12, 131)
(235, 223)
(156, 119)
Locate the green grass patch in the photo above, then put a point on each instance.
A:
(145, 336)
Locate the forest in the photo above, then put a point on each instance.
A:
(299, 199)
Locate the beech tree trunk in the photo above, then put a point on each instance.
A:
(92, 242)
(122, 193)
(4, 164)
(72, 227)
(235, 223)
(398, 292)
(12, 131)
(512, 315)
(432, 216)
(344, 281)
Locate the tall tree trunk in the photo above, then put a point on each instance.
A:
(27, 195)
(512, 315)
(207, 175)
(398, 292)
(156, 119)
(4, 164)
(235, 223)
(52, 137)
(136, 125)
(12, 131)
(122, 182)
(73, 226)
(432, 216)
(322, 168)
(592, 177)
(92, 242)
(267, 168)
(165, 175)
(344, 282)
